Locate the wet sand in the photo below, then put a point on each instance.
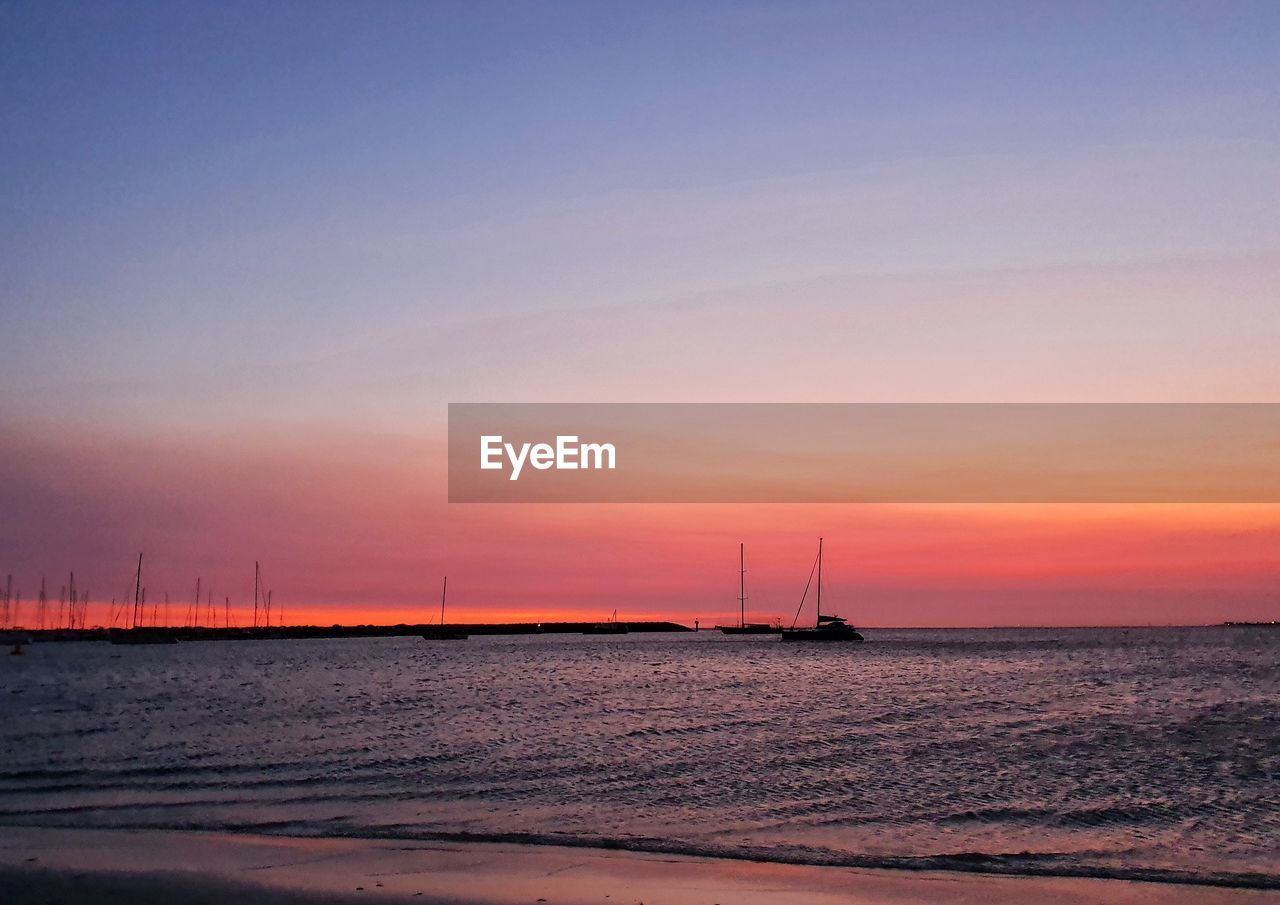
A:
(39, 865)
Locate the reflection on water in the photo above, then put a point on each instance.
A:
(1129, 752)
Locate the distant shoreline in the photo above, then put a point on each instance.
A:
(306, 632)
(261, 633)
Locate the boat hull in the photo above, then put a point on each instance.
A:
(445, 634)
(142, 636)
(750, 629)
(822, 634)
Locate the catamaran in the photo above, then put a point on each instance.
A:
(826, 628)
(744, 627)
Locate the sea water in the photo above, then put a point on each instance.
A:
(1147, 753)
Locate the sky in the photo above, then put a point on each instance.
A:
(248, 255)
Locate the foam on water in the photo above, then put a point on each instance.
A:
(1149, 753)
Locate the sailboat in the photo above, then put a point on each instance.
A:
(609, 627)
(138, 632)
(825, 628)
(444, 632)
(744, 627)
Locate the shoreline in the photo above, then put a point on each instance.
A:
(45, 864)
(174, 633)
(960, 863)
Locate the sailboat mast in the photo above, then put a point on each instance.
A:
(742, 586)
(443, 593)
(137, 592)
(819, 622)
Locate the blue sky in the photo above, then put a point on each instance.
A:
(210, 186)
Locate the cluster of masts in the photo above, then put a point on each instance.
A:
(131, 610)
(73, 606)
(202, 611)
(825, 627)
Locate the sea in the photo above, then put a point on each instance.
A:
(1142, 753)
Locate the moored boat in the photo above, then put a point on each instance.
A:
(444, 632)
(751, 628)
(610, 626)
(825, 628)
(744, 627)
(140, 634)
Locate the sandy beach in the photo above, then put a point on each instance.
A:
(42, 865)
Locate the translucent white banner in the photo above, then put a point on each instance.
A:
(865, 452)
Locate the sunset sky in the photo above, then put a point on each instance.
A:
(249, 253)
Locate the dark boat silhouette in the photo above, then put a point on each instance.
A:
(609, 627)
(444, 632)
(825, 628)
(744, 627)
(139, 633)
(143, 634)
